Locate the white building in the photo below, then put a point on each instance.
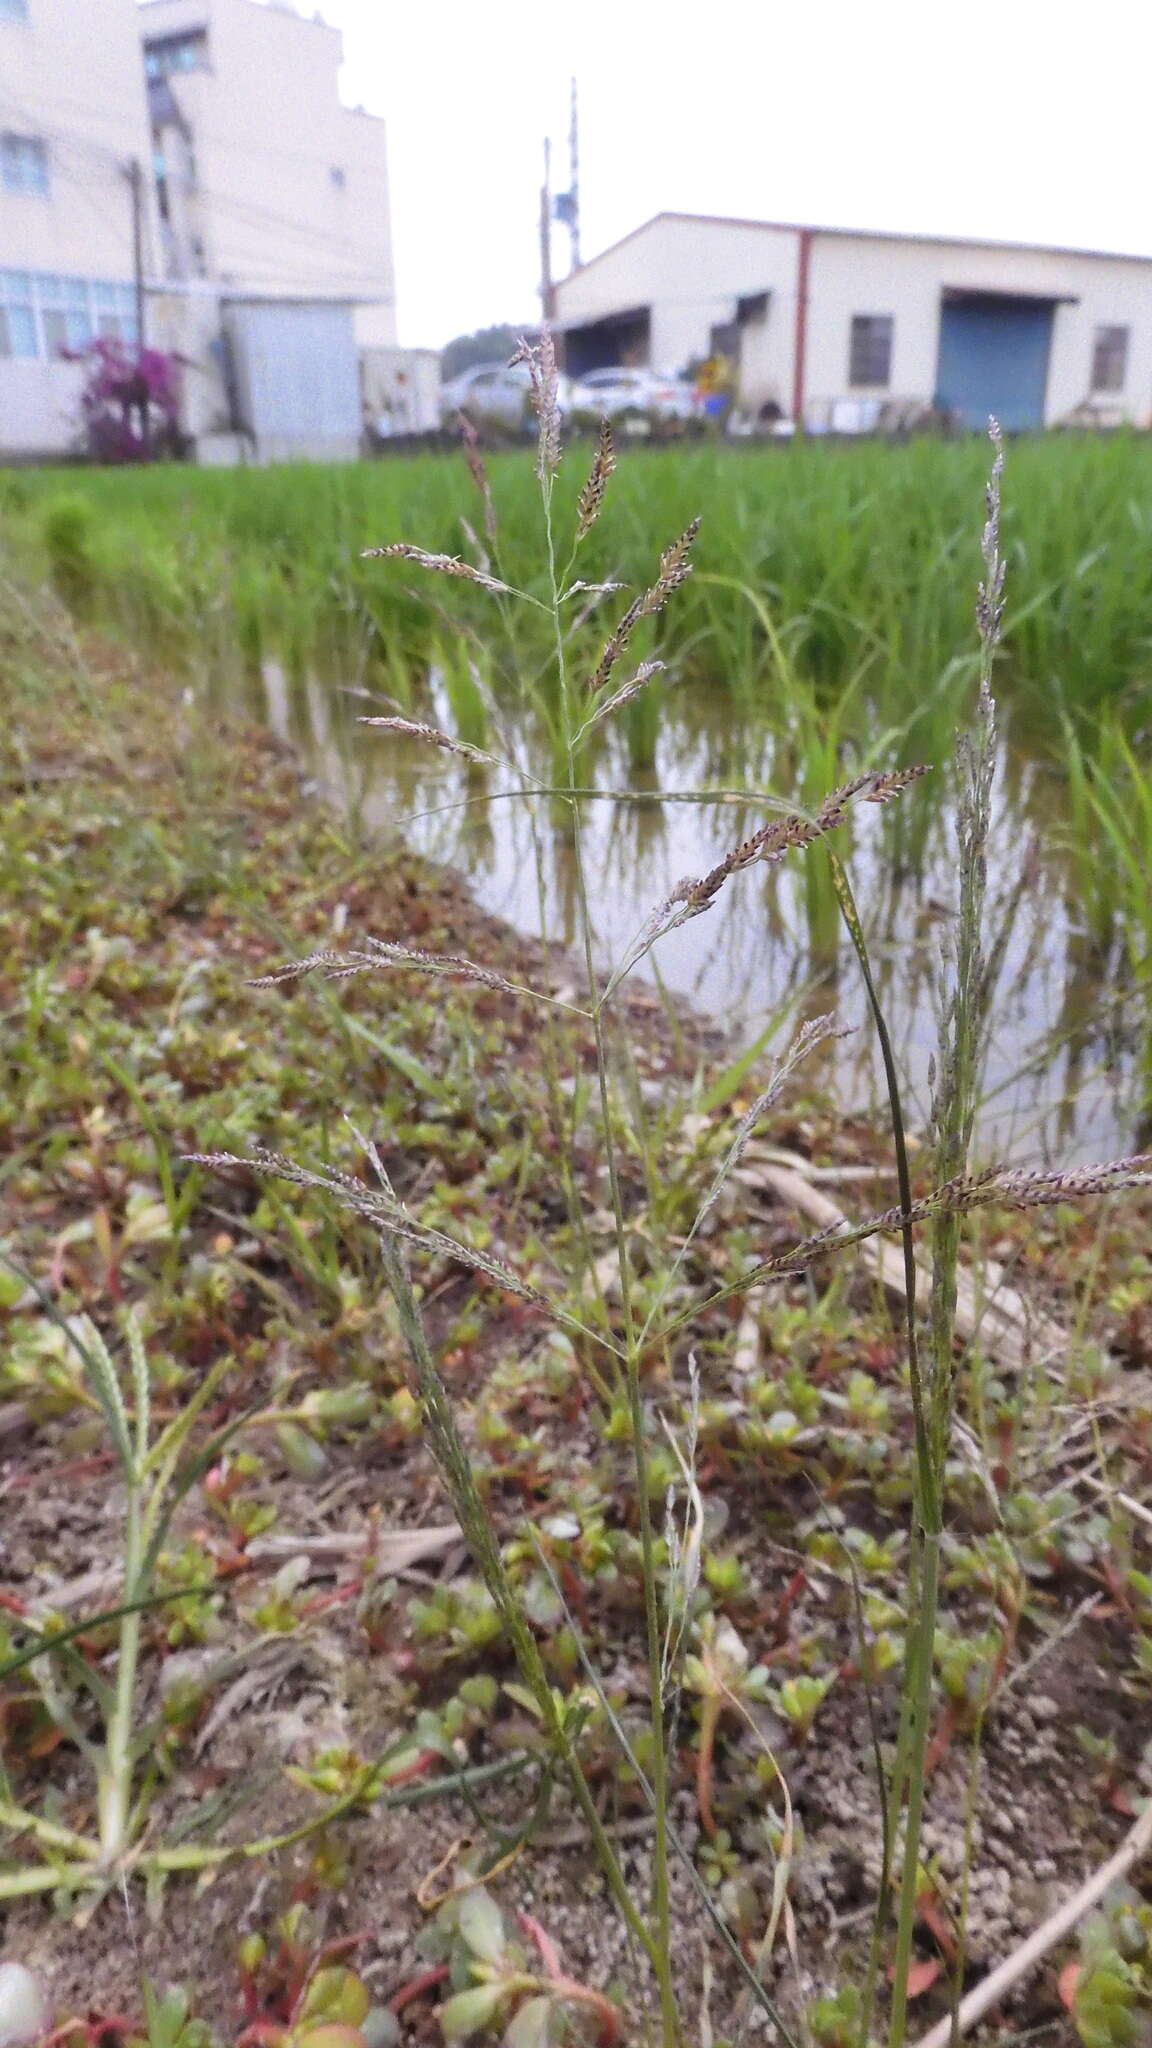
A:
(274, 225)
(73, 121)
(828, 325)
(267, 184)
(264, 240)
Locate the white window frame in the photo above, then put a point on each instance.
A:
(59, 312)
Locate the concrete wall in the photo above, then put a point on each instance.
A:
(39, 407)
(69, 78)
(287, 189)
(875, 274)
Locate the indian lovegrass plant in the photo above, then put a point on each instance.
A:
(621, 1329)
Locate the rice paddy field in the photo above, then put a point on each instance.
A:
(575, 1429)
(827, 627)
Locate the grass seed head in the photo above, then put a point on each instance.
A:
(540, 357)
(990, 594)
(432, 735)
(479, 472)
(592, 496)
(674, 568)
(443, 565)
(782, 835)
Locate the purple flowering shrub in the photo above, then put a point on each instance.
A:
(130, 403)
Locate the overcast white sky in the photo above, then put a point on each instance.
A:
(1022, 119)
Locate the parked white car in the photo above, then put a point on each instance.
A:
(638, 401)
(496, 396)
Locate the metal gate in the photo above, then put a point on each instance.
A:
(994, 359)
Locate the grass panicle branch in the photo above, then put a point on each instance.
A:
(675, 568)
(1011, 1190)
(441, 565)
(432, 736)
(479, 473)
(544, 375)
(623, 695)
(591, 499)
(789, 831)
(385, 1213)
(784, 835)
(383, 953)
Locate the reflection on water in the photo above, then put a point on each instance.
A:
(1060, 1078)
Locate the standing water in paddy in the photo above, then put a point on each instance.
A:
(1063, 1071)
(826, 628)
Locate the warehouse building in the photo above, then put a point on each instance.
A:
(843, 330)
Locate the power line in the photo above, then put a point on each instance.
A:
(370, 276)
(297, 156)
(305, 230)
(258, 216)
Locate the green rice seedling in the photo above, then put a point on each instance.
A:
(1111, 797)
(854, 550)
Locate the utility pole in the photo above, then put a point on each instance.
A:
(136, 183)
(547, 289)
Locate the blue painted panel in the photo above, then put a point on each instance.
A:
(994, 359)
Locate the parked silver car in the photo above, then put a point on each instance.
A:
(637, 401)
(496, 397)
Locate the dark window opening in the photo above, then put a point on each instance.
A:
(160, 179)
(187, 52)
(24, 164)
(622, 338)
(1109, 358)
(870, 355)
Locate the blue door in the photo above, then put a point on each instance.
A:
(994, 359)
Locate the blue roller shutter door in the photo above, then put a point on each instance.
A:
(994, 360)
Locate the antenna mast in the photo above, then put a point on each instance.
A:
(574, 181)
